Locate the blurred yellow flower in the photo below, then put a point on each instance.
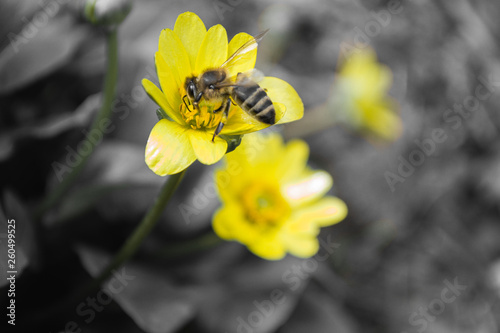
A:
(360, 96)
(186, 52)
(272, 202)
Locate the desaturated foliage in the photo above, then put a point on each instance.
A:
(418, 250)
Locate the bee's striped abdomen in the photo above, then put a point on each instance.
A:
(254, 100)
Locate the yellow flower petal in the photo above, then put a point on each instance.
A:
(269, 248)
(222, 219)
(173, 52)
(294, 161)
(301, 246)
(281, 92)
(273, 147)
(191, 31)
(240, 122)
(207, 152)
(367, 78)
(169, 86)
(257, 148)
(225, 181)
(213, 49)
(327, 211)
(240, 165)
(159, 97)
(380, 119)
(308, 188)
(168, 150)
(283, 164)
(229, 223)
(247, 60)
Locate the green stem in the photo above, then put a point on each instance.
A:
(142, 230)
(99, 122)
(177, 250)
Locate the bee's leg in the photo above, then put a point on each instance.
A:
(225, 113)
(197, 99)
(184, 100)
(223, 105)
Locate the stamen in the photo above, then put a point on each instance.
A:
(201, 118)
(264, 205)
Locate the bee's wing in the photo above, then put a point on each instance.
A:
(247, 78)
(254, 74)
(243, 51)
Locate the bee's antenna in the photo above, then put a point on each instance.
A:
(260, 35)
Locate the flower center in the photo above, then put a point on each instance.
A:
(264, 205)
(203, 116)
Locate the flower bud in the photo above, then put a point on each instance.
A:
(107, 12)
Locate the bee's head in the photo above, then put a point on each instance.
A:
(192, 91)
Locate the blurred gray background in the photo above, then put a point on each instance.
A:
(417, 255)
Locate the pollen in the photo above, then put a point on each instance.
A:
(202, 117)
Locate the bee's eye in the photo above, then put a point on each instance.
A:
(191, 90)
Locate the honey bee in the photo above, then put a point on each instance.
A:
(216, 85)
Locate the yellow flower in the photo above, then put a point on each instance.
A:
(272, 202)
(186, 52)
(360, 96)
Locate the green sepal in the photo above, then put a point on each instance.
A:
(233, 141)
(162, 115)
